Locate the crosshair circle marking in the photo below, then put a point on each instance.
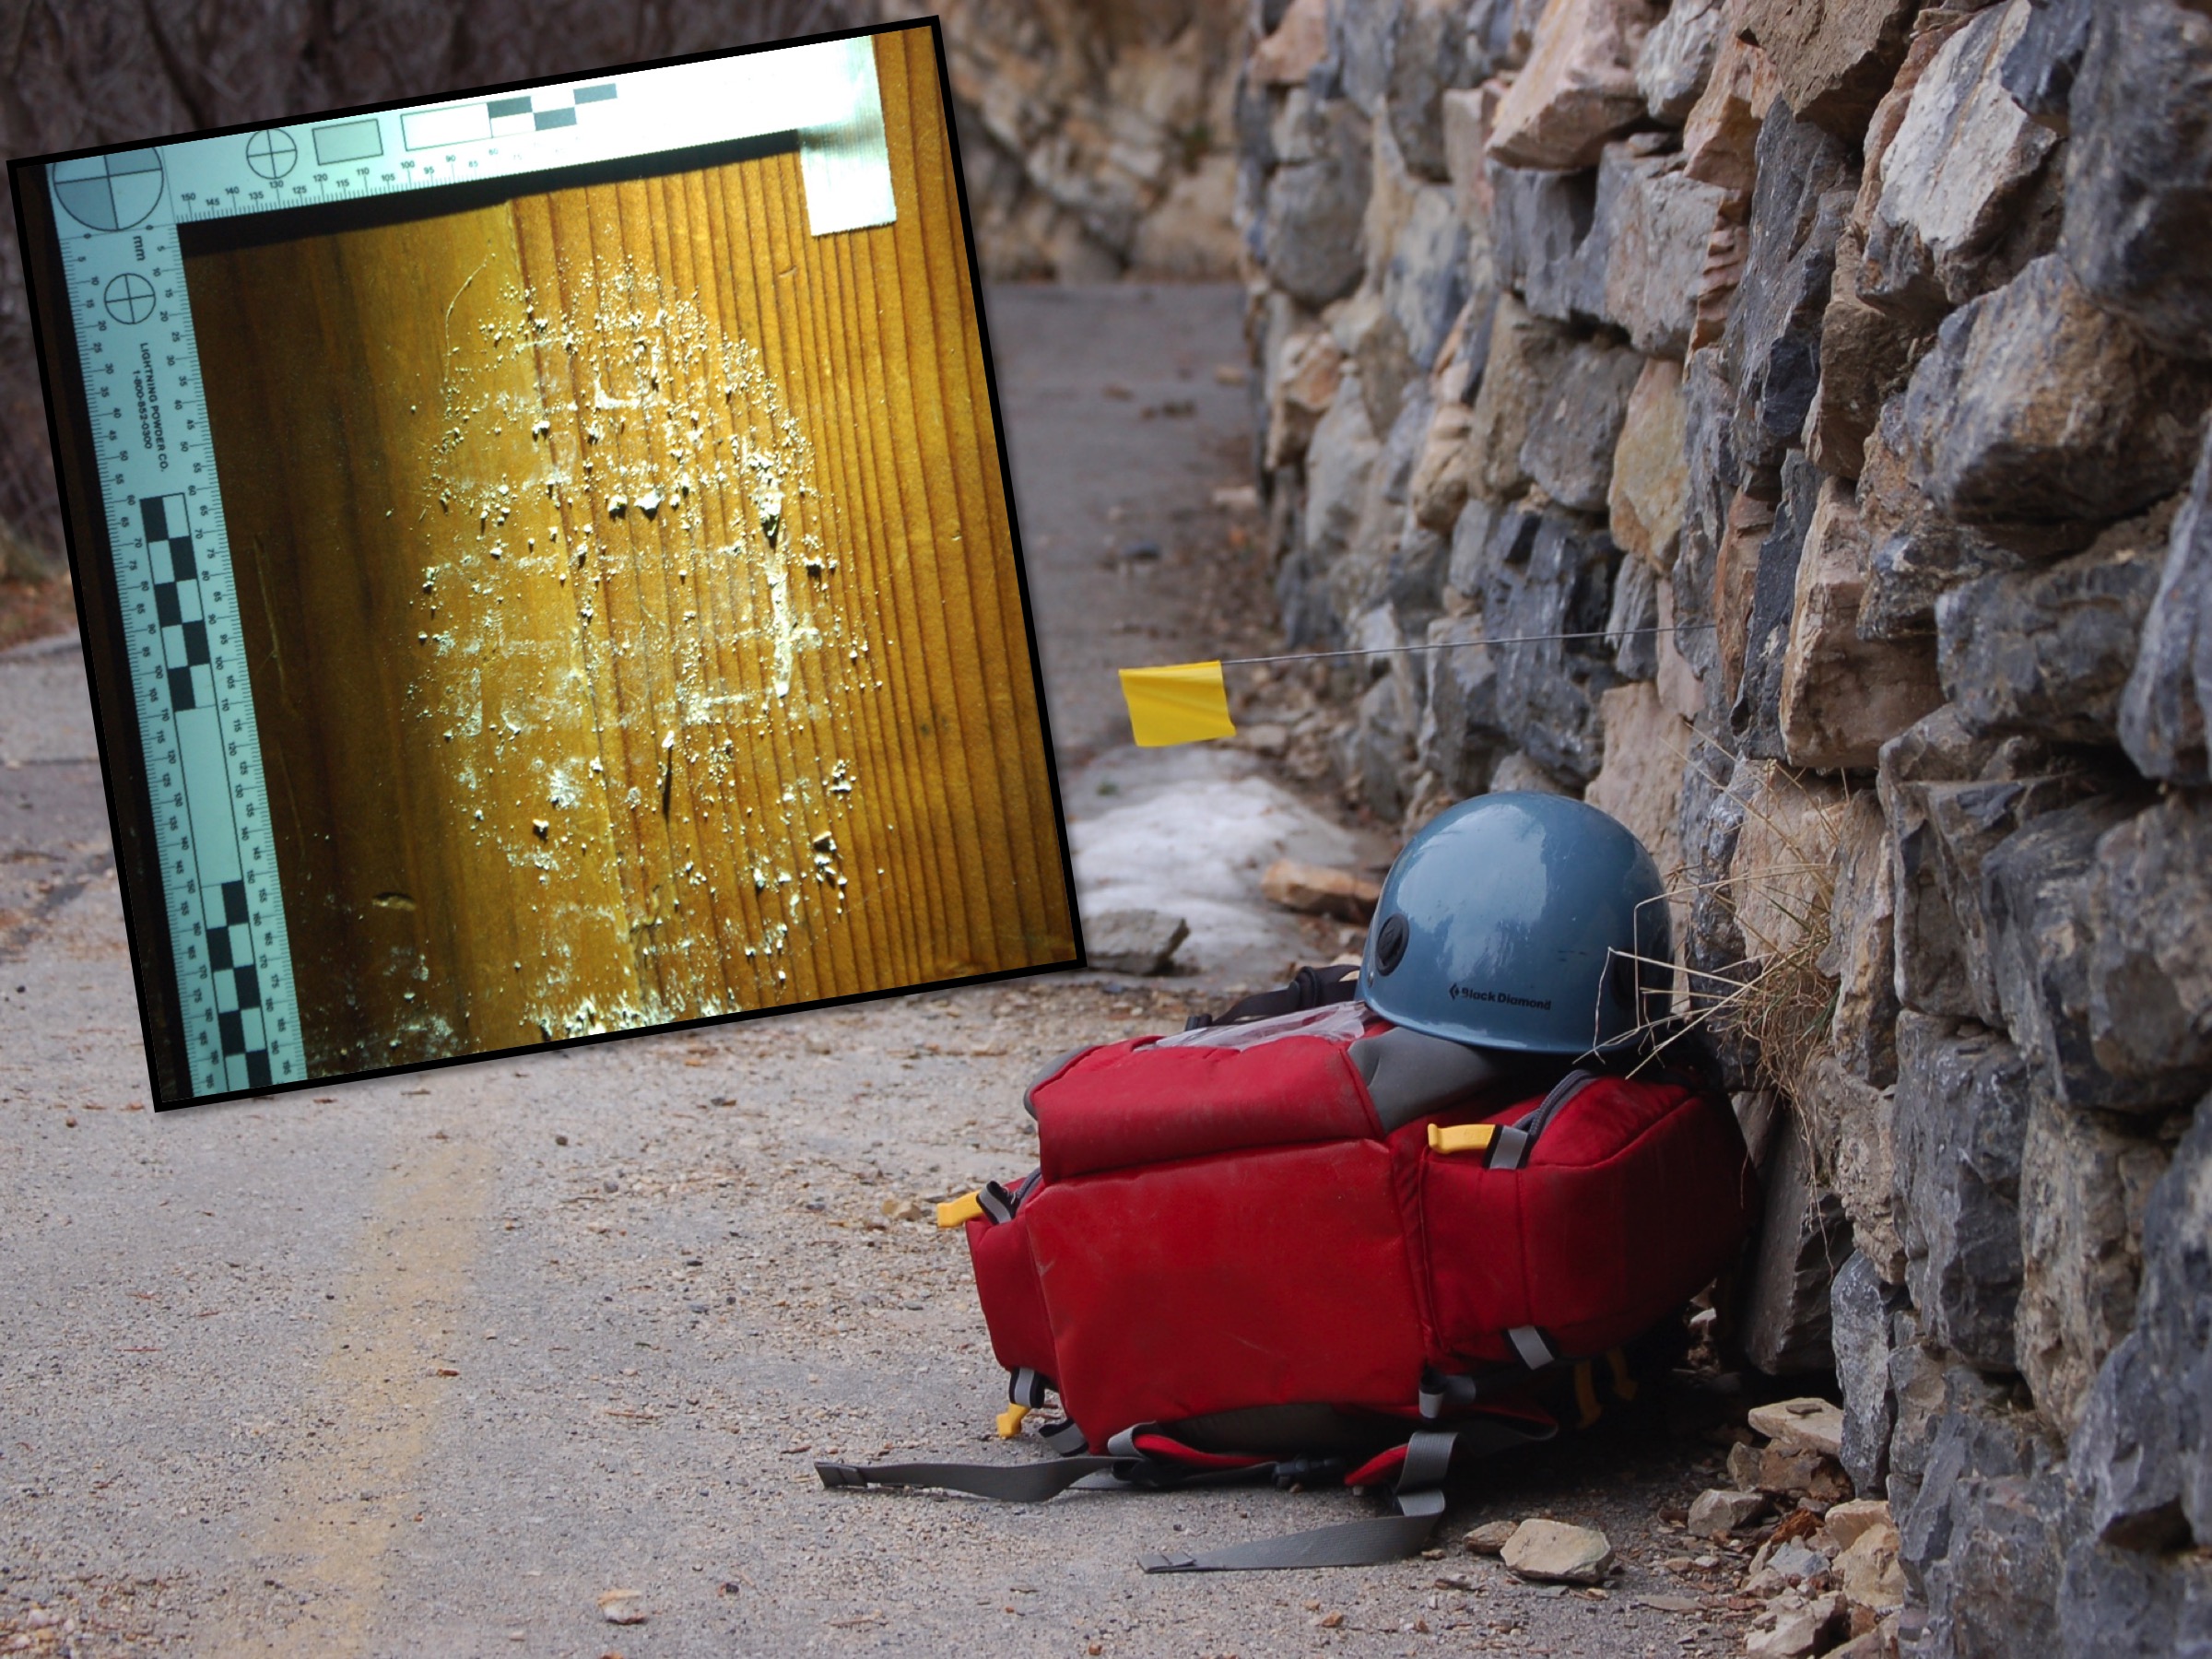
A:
(130, 298)
(109, 193)
(271, 154)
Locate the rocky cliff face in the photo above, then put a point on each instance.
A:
(1839, 374)
(1095, 134)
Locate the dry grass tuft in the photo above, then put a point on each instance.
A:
(1780, 889)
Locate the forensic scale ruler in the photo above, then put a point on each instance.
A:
(118, 216)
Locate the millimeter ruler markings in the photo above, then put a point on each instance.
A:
(230, 949)
(119, 215)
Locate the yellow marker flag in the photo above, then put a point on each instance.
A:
(1184, 703)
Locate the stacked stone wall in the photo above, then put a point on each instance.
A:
(1838, 372)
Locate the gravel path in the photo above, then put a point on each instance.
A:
(430, 1365)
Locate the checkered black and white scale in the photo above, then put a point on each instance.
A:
(225, 917)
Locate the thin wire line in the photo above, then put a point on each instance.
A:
(1601, 633)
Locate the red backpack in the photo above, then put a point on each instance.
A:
(1315, 1245)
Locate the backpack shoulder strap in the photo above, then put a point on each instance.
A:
(1309, 988)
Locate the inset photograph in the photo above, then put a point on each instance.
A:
(598, 580)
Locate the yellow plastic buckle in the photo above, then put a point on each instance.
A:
(1461, 1137)
(1624, 1383)
(1585, 1396)
(1009, 1421)
(960, 1210)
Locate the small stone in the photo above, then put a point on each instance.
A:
(1951, 176)
(623, 1607)
(1516, 773)
(2138, 168)
(1459, 736)
(1568, 451)
(1865, 357)
(1681, 693)
(2040, 69)
(1579, 85)
(1951, 796)
(1677, 58)
(1549, 240)
(2049, 652)
(1755, 717)
(1797, 1562)
(1657, 225)
(1342, 456)
(1797, 1630)
(2148, 914)
(1526, 356)
(1833, 59)
(1786, 1473)
(1289, 53)
(1981, 1543)
(1914, 553)
(1555, 1552)
(1962, 1114)
(1317, 199)
(1719, 136)
(1862, 1311)
(1867, 1571)
(1266, 737)
(1424, 277)
(1303, 385)
(1133, 941)
(1640, 782)
(1862, 958)
(1772, 348)
(1545, 577)
(1438, 490)
(1315, 890)
(1651, 478)
(1716, 1513)
(2163, 709)
(2039, 404)
(1492, 1536)
(1846, 1521)
(1806, 1424)
(1842, 697)
(1743, 1466)
(1803, 1236)
(2036, 891)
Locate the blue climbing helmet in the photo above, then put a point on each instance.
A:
(1525, 922)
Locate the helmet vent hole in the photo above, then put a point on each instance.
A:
(1389, 943)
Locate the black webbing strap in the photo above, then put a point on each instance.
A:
(1309, 988)
(1420, 1497)
(1348, 1544)
(1461, 1392)
(1420, 1494)
(1009, 1483)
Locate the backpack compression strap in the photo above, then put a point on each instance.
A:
(1015, 1483)
(1421, 1500)
(1309, 988)
(1420, 1493)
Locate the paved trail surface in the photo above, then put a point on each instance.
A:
(428, 1365)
